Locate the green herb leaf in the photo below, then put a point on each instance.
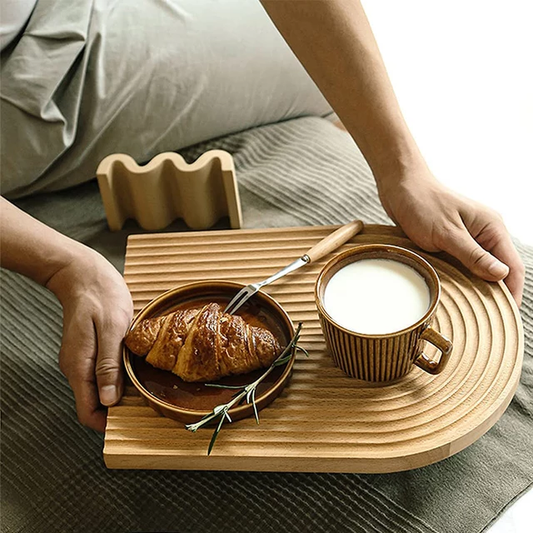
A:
(300, 349)
(244, 392)
(256, 414)
(215, 435)
(219, 386)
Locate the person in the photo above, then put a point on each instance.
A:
(334, 42)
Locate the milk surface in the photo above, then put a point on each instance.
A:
(376, 296)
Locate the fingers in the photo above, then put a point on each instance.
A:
(462, 245)
(436, 219)
(88, 407)
(97, 309)
(505, 250)
(495, 261)
(109, 359)
(76, 361)
(488, 229)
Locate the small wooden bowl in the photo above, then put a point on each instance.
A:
(186, 402)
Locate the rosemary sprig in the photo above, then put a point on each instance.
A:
(244, 392)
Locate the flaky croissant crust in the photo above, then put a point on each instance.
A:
(203, 344)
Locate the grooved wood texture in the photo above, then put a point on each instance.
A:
(324, 421)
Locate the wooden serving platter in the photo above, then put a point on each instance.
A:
(324, 421)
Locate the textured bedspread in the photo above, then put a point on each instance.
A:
(300, 172)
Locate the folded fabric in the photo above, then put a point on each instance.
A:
(93, 77)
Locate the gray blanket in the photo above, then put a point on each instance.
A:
(53, 475)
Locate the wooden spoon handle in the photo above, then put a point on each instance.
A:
(333, 241)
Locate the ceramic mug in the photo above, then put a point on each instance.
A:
(383, 357)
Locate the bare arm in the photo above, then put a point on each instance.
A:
(96, 303)
(334, 42)
(30, 247)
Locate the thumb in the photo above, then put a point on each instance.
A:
(108, 364)
(478, 260)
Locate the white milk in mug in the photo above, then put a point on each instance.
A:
(376, 296)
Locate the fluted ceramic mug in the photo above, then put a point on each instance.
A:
(383, 357)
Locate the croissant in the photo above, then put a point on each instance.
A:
(203, 344)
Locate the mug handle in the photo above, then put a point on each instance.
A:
(441, 343)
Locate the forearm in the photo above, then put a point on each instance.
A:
(334, 42)
(97, 306)
(31, 248)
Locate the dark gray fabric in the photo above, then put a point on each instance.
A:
(53, 477)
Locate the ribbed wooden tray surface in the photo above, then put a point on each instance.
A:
(324, 421)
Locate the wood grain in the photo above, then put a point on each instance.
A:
(325, 421)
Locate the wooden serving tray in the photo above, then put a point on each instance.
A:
(324, 421)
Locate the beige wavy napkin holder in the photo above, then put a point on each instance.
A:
(167, 187)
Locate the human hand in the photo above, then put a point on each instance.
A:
(438, 219)
(97, 310)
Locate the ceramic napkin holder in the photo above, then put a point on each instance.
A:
(167, 187)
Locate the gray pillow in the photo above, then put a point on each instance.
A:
(91, 78)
